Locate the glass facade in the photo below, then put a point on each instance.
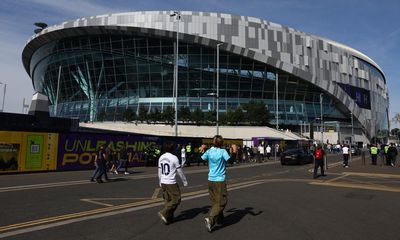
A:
(113, 72)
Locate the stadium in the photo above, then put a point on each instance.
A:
(126, 60)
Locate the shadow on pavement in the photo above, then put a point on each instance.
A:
(191, 213)
(236, 216)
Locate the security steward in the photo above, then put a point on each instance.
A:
(374, 154)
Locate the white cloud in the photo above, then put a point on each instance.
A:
(80, 8)
(14, 34)
(19, 85)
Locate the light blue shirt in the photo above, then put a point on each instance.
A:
(216, 157)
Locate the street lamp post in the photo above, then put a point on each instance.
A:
(276, 108)
(352, 134)
(178, 18)
(4, 95)
(352, 129)
(217, 123)
(322, 120)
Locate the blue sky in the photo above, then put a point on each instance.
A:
(370, 26)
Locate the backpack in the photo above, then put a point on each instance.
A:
(318, 153)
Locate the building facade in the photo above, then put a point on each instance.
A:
(112, 62)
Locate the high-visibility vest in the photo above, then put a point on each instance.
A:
(374, 150)
(188, 148)
(386, 149)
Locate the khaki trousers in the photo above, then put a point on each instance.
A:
(219, 198)
(172, 197)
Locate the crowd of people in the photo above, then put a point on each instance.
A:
(386, 152)
(108, 160)
(216, 157)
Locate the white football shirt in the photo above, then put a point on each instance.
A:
(168, 165)
(345, 150)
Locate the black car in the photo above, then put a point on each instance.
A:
(355, 150)
(296, 156)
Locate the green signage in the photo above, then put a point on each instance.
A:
(34, 152)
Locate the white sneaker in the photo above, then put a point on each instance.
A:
(346, 166)
(126, 173)
(163, 219)
(208, 224)
(116, 172)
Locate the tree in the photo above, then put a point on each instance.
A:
(237, 116)
(222, 119)
(396, 118)
(395, 132)
(184, 113)
(395, 121)
(155, 116)
(210, 117)
(102, 116)
(168, 116)
(256, 113)
(197, 116)
(129, 115)
(142, 114)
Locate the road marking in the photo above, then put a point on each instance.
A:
(194, 186)
(336, 164)
(81, 182)
(97, 201)
(382, 175)
(43, 185)
(156, 192)
(358, 186)
(336, 178)
(45, 223)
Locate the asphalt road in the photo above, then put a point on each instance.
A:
(266, 201)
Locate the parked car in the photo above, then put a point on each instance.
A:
(296, 156)
(355, 150)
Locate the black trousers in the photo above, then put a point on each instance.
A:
(319, 163)
(373, 158)
(345, 159)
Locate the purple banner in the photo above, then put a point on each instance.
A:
(78, 150)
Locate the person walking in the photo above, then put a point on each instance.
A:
(101, 158)
(114, 162)
(387, 157)
(183, 155)
(319, 154)
(168, 166)
(268, 149)
(217, 158)
(261, 152)
(345, 151)
(188, 154)
(123, 162)
(374, 154)
(392, 154)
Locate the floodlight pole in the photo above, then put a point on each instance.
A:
(217, 121)
(277, 99)
(322, 120)
(178, 18)
(4, 96)
(58, 90)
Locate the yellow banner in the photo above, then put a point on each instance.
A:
(27, 151)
